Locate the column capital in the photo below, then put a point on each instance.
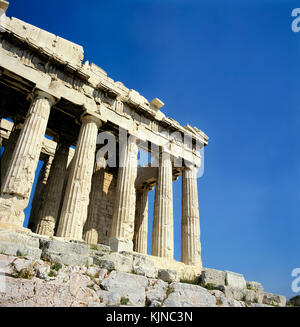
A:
(86, 117)
(39, 94)
(191, 167)
(162, 154)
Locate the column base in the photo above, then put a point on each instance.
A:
(120, 244)
(194, 263)
(46, 227)
(91, 236)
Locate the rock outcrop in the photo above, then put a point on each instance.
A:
(41, 271)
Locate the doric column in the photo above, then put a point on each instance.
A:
(39, 193)
(49, 208)
(163, 234)
(69, 165)
(94, 211)
(17, 184)
(122, 229)
(9, 150)
(76, 201)
(190, 224)
(141, 221)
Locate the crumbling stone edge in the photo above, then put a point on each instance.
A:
(41, 271)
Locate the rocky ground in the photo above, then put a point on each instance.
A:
(40, 272)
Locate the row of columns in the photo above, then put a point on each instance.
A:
(20, 170)
(162, 234)
(80, 209)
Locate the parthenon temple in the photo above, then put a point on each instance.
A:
(53, 107)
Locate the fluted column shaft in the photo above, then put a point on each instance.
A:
(141, 221)
(66, 178)
(9, 150)
(122, 229)
(94, 210)
(163, 233)
(190, 225)
(49, 208)
(76, 201)
(39, 193)
(19, 177)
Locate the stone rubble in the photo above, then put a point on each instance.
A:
(187, 295)
(40, 283)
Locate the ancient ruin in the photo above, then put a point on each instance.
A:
(57, 105)
(86, 239)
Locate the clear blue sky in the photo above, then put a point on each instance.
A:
(231, 69)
